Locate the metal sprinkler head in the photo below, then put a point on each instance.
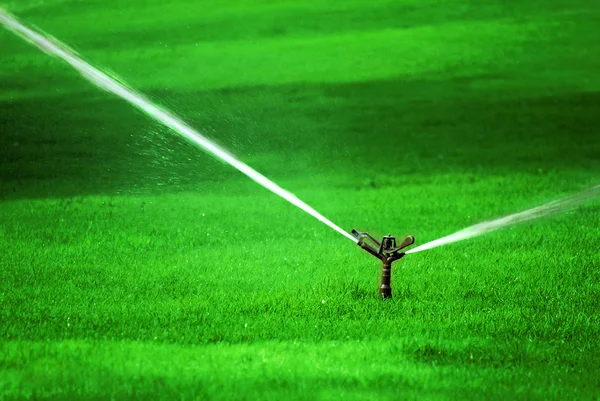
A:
(387, 251)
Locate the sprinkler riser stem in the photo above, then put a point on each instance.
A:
(386, 276)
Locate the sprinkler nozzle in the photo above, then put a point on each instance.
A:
(387, 251)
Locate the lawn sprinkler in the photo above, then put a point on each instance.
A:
(387, 251)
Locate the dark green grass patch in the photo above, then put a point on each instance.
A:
(344, 134)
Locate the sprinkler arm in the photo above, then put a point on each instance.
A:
(408, 241)
(361, 242)
(388, 255)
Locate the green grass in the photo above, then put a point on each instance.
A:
(136, 266)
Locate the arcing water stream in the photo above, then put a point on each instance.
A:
(106, 82)
(535, 213)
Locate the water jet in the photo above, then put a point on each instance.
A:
(117, 87)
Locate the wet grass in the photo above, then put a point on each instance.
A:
(135, 266)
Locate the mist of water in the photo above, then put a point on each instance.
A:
(558, 206)
(110, 84)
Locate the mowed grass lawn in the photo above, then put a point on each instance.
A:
(134, 265)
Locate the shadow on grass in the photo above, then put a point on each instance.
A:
(80, 145)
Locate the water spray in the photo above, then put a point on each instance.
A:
(558, 206)
(118, 88)
(387, 251)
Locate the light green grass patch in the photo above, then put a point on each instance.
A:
(295, 370)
